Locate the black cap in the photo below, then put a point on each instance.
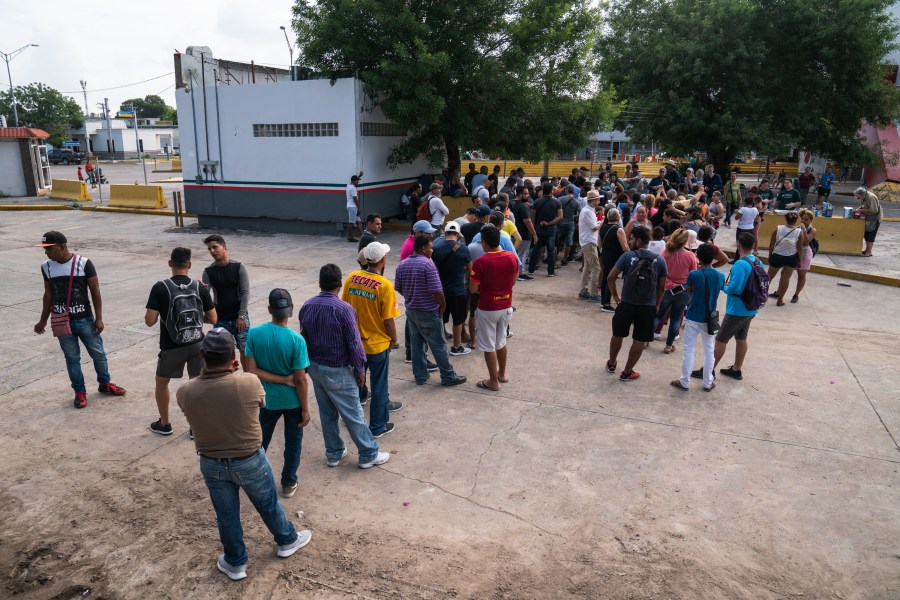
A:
(218, 341)
(52, 238)
(280, 302)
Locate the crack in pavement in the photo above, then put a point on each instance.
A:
(471, 501)
(491, 443)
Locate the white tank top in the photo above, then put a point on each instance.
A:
(786, 240)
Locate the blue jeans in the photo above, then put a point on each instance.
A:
(83, 329)
(224, 477)
(546, 236)
(674, 304)
(426, 327)
(293, 438)
(378, 407)
(240, 337)
(565, 232)
(338, 394)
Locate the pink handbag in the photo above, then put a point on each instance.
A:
(59, 322)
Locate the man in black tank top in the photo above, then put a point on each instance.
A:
(230, 285)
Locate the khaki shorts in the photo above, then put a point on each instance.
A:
(490, 327)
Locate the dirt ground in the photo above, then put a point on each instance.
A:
(566, 484)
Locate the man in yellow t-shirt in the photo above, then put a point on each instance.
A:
(375, 302)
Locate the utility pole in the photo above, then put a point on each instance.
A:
(137, 141)
(291, 50)
(87, 139)
(109, 138)
(8, 56)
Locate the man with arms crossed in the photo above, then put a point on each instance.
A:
(222, 408)
(231, 291)
(493, 276)
(277, 355)
(181, 291)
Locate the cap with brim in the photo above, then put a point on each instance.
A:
(482, 210)
(52, 238)
(692, 243)
(218, 341)
(423, 227)
(451, 227)
(592, 194)
(375, 251)
(435, 186)
(670, 162)
(280, 302)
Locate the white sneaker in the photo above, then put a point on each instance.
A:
(380, 459)
(303, 538)
(234, 573)
(334, 463)
(656, 336)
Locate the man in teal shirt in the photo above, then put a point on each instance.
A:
(736, 323)
(277, 355)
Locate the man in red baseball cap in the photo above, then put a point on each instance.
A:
(67, 280)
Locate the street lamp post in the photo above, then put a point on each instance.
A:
(8, 57)
(291, 50)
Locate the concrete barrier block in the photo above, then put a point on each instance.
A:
(835, 235)
(136, 196)
(70, 189)
(176, 164)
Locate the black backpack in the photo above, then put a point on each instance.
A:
(184, 321)
(641, 281)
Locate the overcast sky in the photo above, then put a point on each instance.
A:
(111, 44)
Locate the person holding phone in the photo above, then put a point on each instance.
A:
(679, 263)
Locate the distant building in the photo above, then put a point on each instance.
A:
(155, 136)
(24, 169)
(260, 151)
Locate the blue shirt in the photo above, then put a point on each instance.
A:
(827, 179)
(451, 265)
(329, 327)
(280, 351)
(417, 280)
(737, 281)
(697, 280)
(505, 243)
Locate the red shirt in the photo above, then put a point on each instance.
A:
(495, 273)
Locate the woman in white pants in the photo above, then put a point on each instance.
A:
(704, 285)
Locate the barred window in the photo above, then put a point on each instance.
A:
(295, 130)
(370, 129)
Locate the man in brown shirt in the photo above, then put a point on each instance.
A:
(222, 407)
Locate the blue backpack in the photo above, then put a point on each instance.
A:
(756, 290)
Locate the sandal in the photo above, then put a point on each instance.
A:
(710, 388)
(668, 349)
(794, 300)
(481, 384)
(503, 379)
(779, 303)
(675, 383)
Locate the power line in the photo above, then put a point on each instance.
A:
(118, 87)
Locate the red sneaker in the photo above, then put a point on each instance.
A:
(630, 376)
(111, 388)
(80, 399)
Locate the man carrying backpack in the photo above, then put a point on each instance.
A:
(747, 288)
(642, 292)
(182, 305)
(433, 209)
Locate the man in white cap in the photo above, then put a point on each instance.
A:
(277, 355)
(373, 299)
(222, 408)
(451, 257)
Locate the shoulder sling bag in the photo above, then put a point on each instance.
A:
(59, 322)
(712, 316)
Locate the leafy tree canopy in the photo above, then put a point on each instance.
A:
(43, 107)
(149, 107)
(729, 76)
(511, 77)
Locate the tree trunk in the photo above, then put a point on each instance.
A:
(453, 154)
(721, 159)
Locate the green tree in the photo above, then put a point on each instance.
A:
(729, 76)
(506, 76)
(171, 114)
(151, 106)
(43, 107)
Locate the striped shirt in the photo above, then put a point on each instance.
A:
(417, 280)
(328, 325)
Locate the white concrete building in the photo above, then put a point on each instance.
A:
(277, 155)
(154, 137)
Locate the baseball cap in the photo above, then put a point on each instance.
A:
(280, 302)
(451, 227)
(482, 210)
(692, 243)
(435, 186)
(423, 227)
(375, 251)
(218, 341)
(52, 238)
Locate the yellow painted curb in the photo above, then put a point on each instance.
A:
(891, 219)
(36, 207)
(842, 273)
(135, 211)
